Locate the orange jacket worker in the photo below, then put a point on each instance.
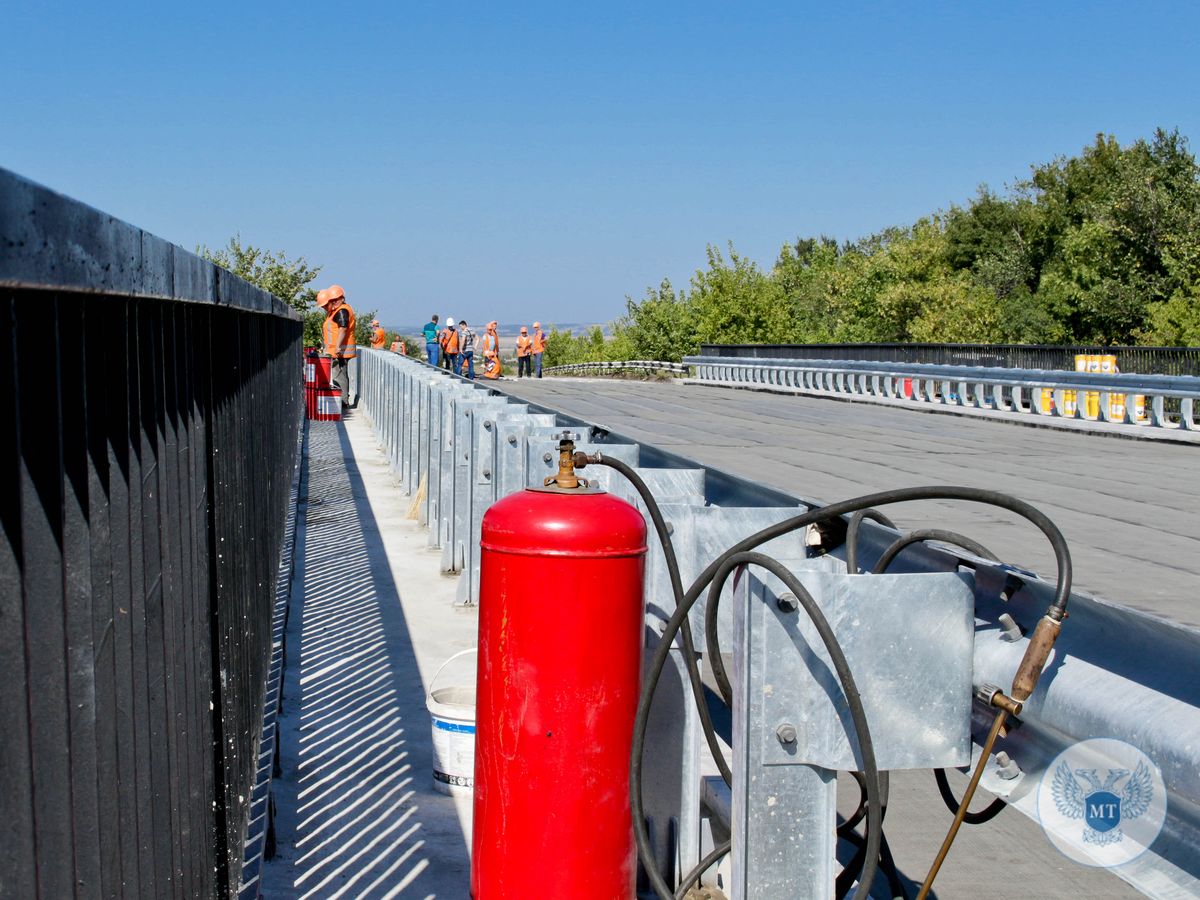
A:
(524, 353)
(443, 341)
(338, 335)
(378, 337)
(489, 344)
(539, 347)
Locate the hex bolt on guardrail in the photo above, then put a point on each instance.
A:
(787, 603)
(786, 733)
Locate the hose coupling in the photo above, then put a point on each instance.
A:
(583, 460)
(991, 695)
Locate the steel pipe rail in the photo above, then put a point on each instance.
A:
(1116, 672)
(152, 417)
(604, 368)
(1142, 360)
(1167, 402)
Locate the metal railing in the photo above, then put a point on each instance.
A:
(152, 419)
(456, 446)
(1151, 402)
(607, 368)
(1140, 360)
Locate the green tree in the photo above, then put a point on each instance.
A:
(661, 326)
(1175, 322)
(1102, 247)
(288, 279)
(805, 272)
(313, 321)
(736, 303)
(1118, 232)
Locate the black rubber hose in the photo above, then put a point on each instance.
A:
(689, 648)
(986, 814)
(694, 875)
(946, 537)
(931, 534)
(1058, 543)
(853, 701)
(852, 535)
(853, 869)
(860, 811)
(823, 514)
(712, 641)
(887, 863)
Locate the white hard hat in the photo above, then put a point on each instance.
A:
(450, 322)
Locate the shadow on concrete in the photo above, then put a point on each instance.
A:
(357, 816)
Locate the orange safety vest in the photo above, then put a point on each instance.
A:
(398, 347)
(334, 337)
(450, 344)
(539, 342)
(491, 357)
(378, 338)
(524, 346)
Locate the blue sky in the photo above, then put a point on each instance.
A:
(542, 161)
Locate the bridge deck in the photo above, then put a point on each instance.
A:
(1128, 508)
(372, 619)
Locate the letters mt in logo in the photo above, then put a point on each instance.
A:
(1098, 805)
(1102, 802)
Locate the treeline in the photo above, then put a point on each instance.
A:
(1100, 248)
(291, 281)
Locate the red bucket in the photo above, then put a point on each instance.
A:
(327, 405)
(318, 372)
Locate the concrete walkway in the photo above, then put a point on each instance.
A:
(357, 815)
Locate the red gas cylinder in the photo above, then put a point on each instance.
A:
(560, 658)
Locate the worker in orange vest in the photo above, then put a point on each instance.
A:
(338, 335)
(442, 336)
(539, 347)
(450, 346)
(378, 337)
(524, 354)
(489, 345)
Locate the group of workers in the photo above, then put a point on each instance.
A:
(456, 345)
(379, 339)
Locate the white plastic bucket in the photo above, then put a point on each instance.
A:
(452, 711)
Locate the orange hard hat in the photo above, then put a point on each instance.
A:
(336, 292)
(537, 324)
(323, 298)
(374, 321)
(491, 324)
(524, 330)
